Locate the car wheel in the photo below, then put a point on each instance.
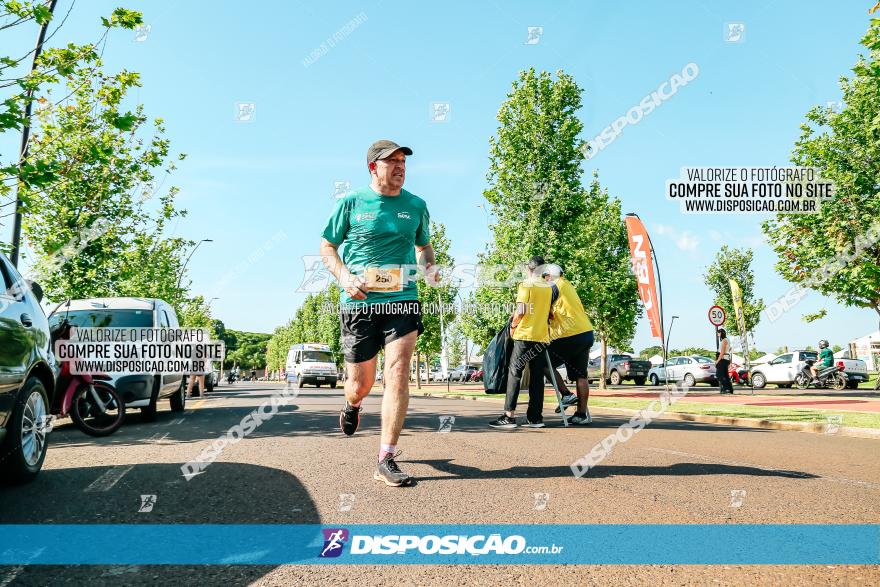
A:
(784, 386)
(614, 378)
(24, 448)
(655, 380)
(639, 380)
(209, 383)
(852, 384)
(299, 382)
(148, 413)
(689, 380)
(178, 400)
(758, 380)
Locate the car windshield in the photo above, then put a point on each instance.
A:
(101, 318)
(702, 360)
(317, 357)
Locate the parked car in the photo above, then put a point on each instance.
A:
(461, 373)
(783, 369)
(27, 376)
(476, 376)
(620, 368)
(690, 370)
(138, 390)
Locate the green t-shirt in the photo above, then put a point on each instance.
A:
(827, 356)
(380, 232)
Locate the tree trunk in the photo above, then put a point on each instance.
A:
(604, 368)
(418, 370)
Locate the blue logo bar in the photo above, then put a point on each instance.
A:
(267, 544)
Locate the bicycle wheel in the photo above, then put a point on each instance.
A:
(97, 409)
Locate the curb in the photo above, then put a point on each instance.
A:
(811, 427)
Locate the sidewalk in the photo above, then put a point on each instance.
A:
(813, 410)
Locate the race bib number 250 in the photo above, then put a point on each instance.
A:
(383, 280)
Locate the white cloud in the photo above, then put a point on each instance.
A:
(685, 240)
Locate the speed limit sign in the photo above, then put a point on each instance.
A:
(717, 315)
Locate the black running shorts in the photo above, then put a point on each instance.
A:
(574, 352)
(367, 329)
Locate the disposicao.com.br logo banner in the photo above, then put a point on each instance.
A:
(480, 544)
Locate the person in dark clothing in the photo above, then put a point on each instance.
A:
(722, 363)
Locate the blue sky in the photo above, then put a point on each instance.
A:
(245, 183)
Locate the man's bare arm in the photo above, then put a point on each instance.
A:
(353, 285)
(428, 262)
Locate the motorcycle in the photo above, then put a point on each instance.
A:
(91, 401)
(230, 378)
(832, 377)
(738, 375)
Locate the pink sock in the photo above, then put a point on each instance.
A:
(386, 449)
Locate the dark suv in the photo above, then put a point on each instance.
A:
(27, 376)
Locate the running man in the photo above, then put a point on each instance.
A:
(530, 332)
(572, 334)
(382, 226)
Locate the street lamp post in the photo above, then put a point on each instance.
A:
(185, 263)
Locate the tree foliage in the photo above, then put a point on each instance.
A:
(316, 320)
(98, 230)
(535, 193)
(731, 262)
(845, 147)
(24, 86)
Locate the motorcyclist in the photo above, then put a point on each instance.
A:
(826, 357)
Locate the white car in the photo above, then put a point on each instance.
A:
(139, 390)
(783, 369)
(691, 370)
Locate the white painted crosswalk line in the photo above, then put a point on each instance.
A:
(110, 478)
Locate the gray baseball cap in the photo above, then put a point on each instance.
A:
(383, 148)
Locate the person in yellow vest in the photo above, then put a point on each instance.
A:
(571, 333)
(530, 331)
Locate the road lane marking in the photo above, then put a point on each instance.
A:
(157, 438)
(817, 476)
(110, 478)
(173, 422)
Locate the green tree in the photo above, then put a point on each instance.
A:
(534, 192)
(731, 262)
(650, 351)
(433, 299)
(24, 82)
(196, 313)
(93, 231)
(842, 239)
(541, 208)
(606, 284)
(316, 320)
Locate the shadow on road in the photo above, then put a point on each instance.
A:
(456, 471)
(228, 493)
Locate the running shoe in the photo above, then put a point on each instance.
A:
(580, 419)
(570, 400)
(389, 473)
(503, 422)
(349, 419)
(530, 424)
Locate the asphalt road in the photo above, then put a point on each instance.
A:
(297, 468)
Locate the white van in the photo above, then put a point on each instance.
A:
(311, 363)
